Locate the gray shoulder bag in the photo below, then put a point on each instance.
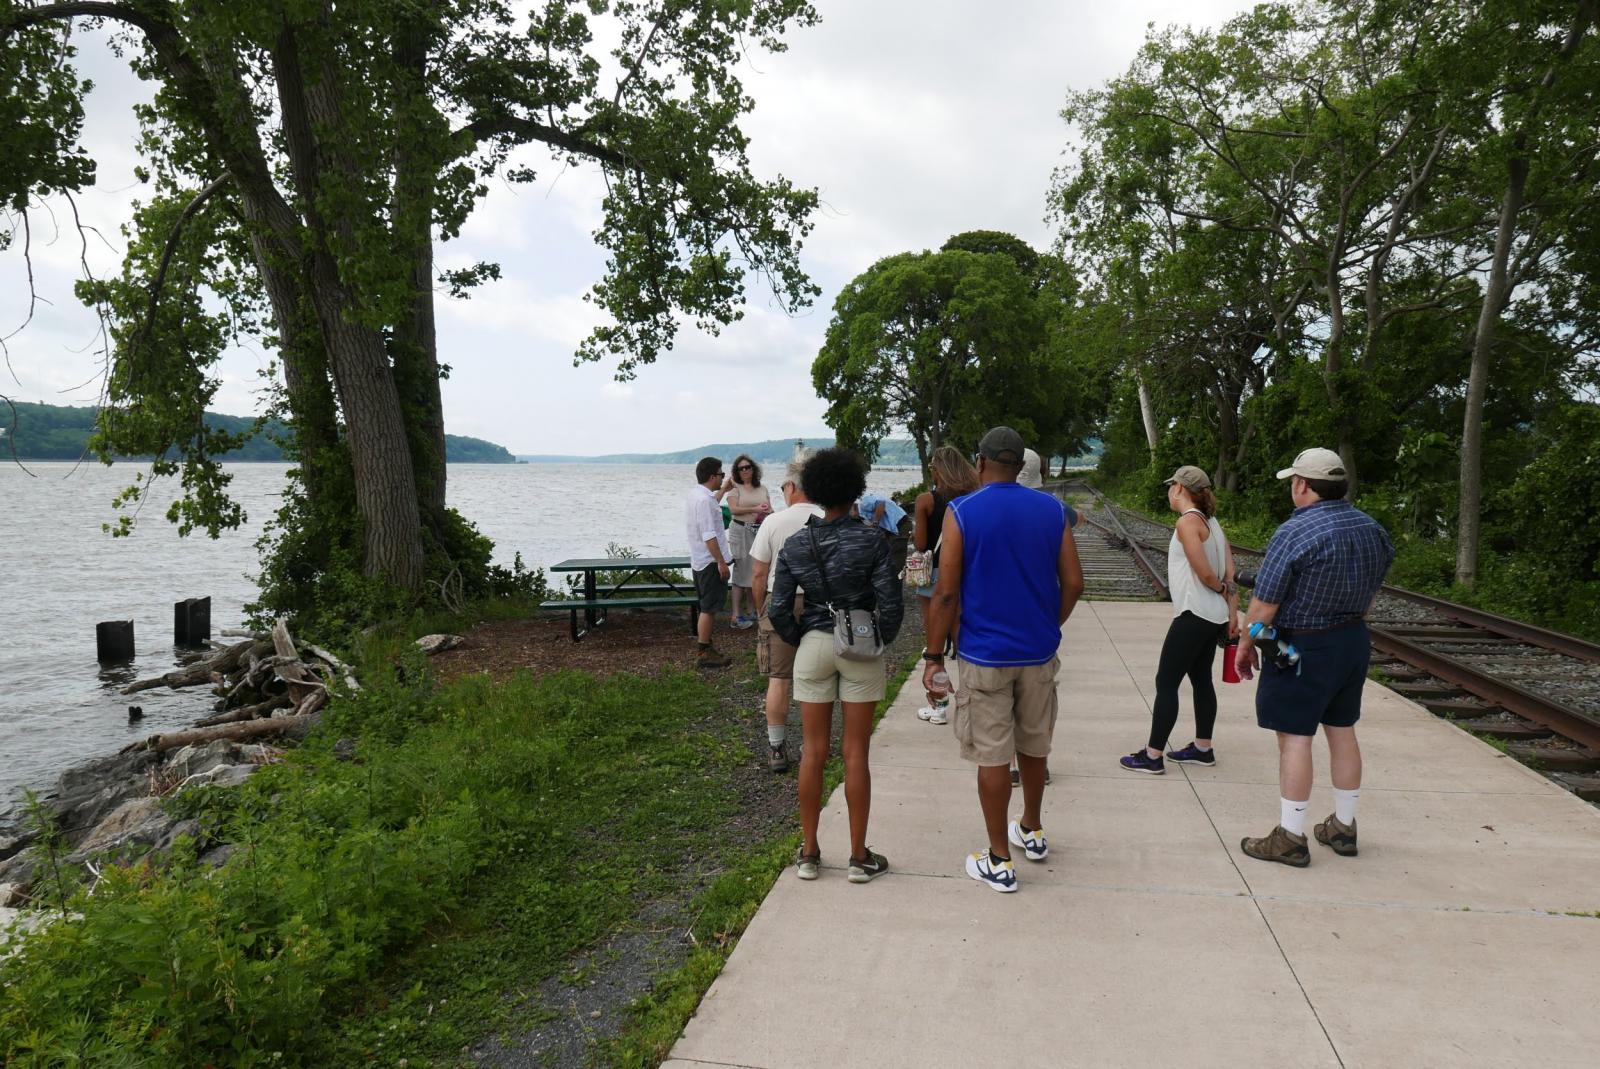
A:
(855, 631)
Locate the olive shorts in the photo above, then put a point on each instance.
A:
(1001, 712)
(822, 676)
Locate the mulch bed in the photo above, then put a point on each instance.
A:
(640, 641)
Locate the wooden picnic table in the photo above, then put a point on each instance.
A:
(666, 589)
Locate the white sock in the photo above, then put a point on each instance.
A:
(776, 733)
(1292, 815)
(1344, 806)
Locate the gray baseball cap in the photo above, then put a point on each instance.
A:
(1003, 444)
(1190, 478)
(1315, 463)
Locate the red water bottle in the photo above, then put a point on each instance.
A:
(1230, 664)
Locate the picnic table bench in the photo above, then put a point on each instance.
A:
(667, 590)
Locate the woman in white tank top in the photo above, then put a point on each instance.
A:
(1204, 608)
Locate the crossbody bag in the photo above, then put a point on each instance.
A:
(855, 631)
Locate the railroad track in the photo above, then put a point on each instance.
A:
(1535, 691)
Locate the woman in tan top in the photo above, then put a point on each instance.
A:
(750, 503)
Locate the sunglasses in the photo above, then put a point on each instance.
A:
(744, 467)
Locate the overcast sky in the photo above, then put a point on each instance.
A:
(914, 120)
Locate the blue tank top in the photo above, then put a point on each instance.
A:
(1010, 589)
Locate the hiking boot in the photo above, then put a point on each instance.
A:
(807, 866)
(998, 876)
(1031, 840)
(778, 759)
(1141, 761)
(1279, 845)
(712, 659)
(869, 868)
(1337, 834)
(1192, 755)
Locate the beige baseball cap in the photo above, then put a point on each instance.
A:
(1190, 478)
(1315, 463)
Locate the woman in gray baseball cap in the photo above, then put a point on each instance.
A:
(1204, 608)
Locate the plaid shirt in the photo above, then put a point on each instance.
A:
(1324, 565)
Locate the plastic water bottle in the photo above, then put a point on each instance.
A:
(940, 684)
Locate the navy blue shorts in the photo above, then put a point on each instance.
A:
(1327, 689)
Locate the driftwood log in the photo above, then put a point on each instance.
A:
(263, 683)
(253, 729)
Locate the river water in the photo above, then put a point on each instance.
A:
(60, 574)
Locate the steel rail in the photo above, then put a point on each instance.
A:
(1120, 534)
(1565, 721)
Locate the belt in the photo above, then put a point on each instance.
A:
(1321, 630)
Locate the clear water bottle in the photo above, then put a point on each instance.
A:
(940, 685)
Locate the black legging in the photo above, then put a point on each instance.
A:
(1189, 650)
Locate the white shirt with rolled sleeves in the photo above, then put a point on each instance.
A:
(703, 521)
(778, 529)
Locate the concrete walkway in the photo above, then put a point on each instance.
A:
(1148, 938)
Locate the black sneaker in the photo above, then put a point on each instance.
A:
(778, 759)
(1192, 755)
(869, 868)
(1141, 761)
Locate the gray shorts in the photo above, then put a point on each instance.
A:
(712, 588)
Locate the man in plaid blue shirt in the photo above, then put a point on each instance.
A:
(1322, 570)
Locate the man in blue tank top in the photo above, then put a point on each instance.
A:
(1008, 569)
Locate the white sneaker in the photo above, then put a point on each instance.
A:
(927, 712)
(1001, 877)
(940, 714)
(1032, 842)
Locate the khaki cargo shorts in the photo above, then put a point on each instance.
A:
(1001, 712)
(822, 676)
(774, 656)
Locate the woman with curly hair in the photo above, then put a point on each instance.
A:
(841, 563)
(750, 503)
(953, 476)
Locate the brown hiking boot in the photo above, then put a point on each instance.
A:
(1279, 845)
(778, 758)
(1335, 833)
(712, 659)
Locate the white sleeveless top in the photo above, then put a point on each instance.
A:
(1188, 593)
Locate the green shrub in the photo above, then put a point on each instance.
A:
(340, 863)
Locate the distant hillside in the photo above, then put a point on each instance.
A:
(61, 432)
(895, 453)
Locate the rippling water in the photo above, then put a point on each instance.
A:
(60, 575)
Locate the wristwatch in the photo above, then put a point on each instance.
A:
(926, 656)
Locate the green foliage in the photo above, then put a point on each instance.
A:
(460, 793)
(949, 343)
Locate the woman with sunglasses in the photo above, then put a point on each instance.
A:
(750, 503)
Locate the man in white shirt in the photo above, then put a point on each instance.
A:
(774, 656)
(708, 555)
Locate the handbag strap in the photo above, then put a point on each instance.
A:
(822, 573)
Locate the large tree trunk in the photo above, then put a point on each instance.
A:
(380, 455)
(416, 351)
(1495, 292)
(1332, 366)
